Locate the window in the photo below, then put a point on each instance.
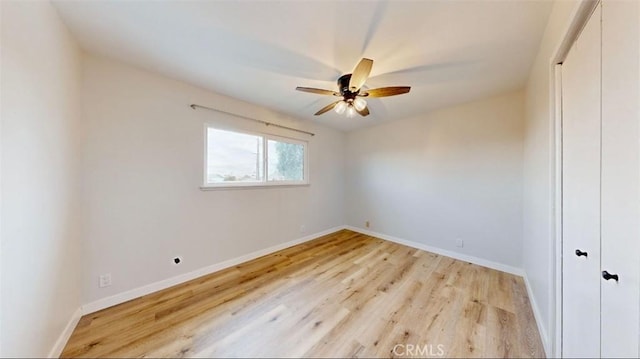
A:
(248, 159)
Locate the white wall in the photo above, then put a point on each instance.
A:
(1, 116)
(538, 200)
(41, 133)
(453, 173)
(144, 165)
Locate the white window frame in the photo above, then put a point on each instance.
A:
(265, 141)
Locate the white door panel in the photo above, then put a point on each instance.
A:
(620, 178)
(581, 193)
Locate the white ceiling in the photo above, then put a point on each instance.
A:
(448, 51)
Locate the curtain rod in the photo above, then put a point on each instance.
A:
(194, 106)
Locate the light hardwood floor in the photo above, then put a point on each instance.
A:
(341, 295)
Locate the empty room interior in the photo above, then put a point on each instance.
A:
(320, 178)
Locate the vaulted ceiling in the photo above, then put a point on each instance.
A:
(448, 51)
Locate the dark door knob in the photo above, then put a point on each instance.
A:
(580, 253)
(606, 275)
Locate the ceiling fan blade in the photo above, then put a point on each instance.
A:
(360, 74)
(387, 91)
(329, 107)
(317, 91)
(364, 112)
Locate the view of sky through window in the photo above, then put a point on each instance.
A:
(233, 157)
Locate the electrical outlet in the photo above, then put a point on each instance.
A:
(105, 280)
(459, 243)
(303, 228)
(366, 224)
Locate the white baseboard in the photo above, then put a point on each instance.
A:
(536, 314)
(169, 282)
(65, 335)
(455, 255)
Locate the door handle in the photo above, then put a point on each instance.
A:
(606, 275)
(580, 253)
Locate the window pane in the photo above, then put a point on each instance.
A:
(286, 161)
(233, 157)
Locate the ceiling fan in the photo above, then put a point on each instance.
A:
(352, 93)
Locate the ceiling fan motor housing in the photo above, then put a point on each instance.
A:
(343, 85)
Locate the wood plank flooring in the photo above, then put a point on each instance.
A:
(342, 295)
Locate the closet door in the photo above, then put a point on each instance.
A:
(620, 178)
(581, 194)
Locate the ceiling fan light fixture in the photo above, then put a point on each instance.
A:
(351, 111)
(341, 107)
(359, 104)
(350, 88)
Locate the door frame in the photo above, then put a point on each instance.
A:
(578, 20)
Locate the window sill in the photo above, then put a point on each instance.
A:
(260, 186)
